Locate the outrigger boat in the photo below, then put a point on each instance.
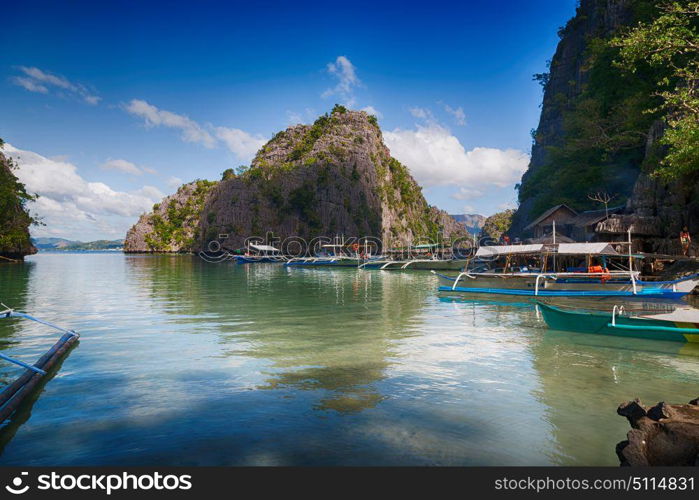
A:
(418, 257)
(333, 255)
(589, 280)
(13, 395)
(259, 254)
(681, 325)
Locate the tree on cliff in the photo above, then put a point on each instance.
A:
(671, 43)
(15, 219)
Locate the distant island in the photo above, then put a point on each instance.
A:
(63, 245)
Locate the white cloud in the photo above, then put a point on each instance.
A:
(37, 80)
(467, 193)
(372, 111)
(241, 143)
(458, 114)
(293, 118)
(436, 158)
(122, 166)
(74, 207)
(346, 74)
(154, 117)
(29, 84)
(508, 205)
(422, 113)
(174, 182)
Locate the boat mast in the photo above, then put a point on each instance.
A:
(554, 244)
(630, 256)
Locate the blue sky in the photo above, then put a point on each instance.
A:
(118, 102)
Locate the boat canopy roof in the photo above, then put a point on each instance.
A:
(586, 249)
(264, 248)
(492, 251)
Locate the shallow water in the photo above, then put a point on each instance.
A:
(187, 362)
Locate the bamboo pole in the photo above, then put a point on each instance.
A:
(13, 395)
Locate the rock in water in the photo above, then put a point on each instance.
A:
(664, 435)
(15, 241)
(332, 177)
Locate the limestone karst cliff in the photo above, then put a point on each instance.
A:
(599, 129)
(335, 176)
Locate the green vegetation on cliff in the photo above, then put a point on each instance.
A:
(497, 224)
(173, 225)
(606, 118)
(670, 46)
(16, 219)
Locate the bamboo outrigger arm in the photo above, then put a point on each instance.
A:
(13, 395)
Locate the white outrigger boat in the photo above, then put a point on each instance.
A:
(418, 257)
(334, 255)
(258, 253)
(581, 281)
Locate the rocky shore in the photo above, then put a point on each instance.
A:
(661, 435)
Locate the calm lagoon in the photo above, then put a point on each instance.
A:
(184, 362)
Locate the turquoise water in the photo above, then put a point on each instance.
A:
(185, 362)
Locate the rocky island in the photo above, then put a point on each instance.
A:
(335, 176)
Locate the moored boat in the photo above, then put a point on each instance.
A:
(334, 255)
(681, 325)
(591, 279)
(418, 257)
(258, 253)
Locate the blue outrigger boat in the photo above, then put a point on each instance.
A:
(681, 325)
(581, 281)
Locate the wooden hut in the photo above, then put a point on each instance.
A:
(543, 225)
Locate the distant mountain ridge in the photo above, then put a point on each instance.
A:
(472, 222)
(62, 244)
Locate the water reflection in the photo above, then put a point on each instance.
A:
(312, 330)
(14, 283)
(259, 364)
(584, 377)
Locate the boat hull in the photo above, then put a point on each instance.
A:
(421, 265)
(325, 262)
(242, 259)
(602, 323)
(525, 285)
